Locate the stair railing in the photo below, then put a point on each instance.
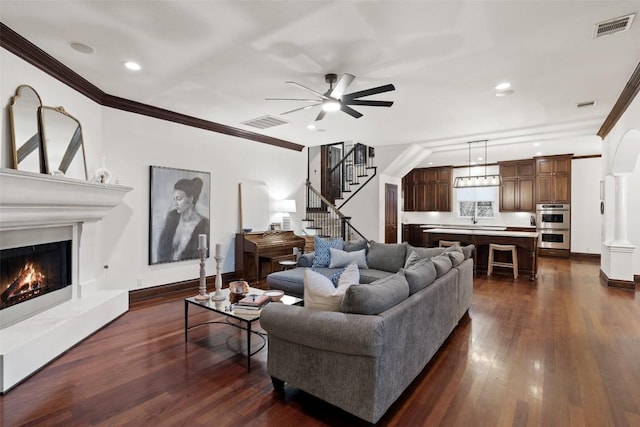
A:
(327, 219)
(355, 165)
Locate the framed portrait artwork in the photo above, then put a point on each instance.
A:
(360, 154)
(179, 211)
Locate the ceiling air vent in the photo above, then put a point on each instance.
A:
(612, 26)
(586, 104)
(265, 122)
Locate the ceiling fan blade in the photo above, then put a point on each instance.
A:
(293, 99)
(321, 115)
(368, 92)
(321, 95)
(369, 103)
(350, 111)
(342, 85)
(301, 108)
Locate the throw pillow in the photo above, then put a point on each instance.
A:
(456, 255)
(468, 251)
(420, 275)
(352, 246)
(386, 256)
(375, 297)
(321, 294)
(342, 259)
(442, 264)
(412, 259)
(424, 252)
(322, 254)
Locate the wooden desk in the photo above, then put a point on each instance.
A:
(526, 242)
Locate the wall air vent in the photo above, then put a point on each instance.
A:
(265, 122)
(586, 104)
(612, 26)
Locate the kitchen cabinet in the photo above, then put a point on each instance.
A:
(553, 179)
(428, 189)
(413, 234)
(517, 193)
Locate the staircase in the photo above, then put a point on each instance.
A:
(352, 172)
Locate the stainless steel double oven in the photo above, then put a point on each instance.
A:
(553, 223)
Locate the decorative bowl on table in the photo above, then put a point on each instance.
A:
(237, 290)
(247, 230)
(274, 294)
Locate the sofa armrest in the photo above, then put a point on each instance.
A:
(338, 332)
(306, 260)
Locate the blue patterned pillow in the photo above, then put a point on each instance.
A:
(322, 254)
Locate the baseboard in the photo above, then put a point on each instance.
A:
(619, 284)
(136, 295)
(581, 255)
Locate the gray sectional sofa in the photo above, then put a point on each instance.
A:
(363, 357)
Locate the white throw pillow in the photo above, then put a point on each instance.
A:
(341, 259)
(319, 292)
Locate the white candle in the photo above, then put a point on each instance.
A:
(218, 249)
(203, 241)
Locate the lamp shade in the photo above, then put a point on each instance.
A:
(287, 205)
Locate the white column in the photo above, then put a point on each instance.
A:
(621, 202)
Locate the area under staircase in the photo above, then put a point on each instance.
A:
(342, 178)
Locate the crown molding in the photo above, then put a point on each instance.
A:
(24, 49)
(626, 97)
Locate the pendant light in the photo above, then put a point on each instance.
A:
(492, 180)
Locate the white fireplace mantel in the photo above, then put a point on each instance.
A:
(30, 199)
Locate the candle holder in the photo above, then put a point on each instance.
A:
(202, 296)
(217, 296)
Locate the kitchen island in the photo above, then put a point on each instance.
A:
(526, 242)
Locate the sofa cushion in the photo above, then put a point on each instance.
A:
(468, 251)
(355, 245)
(455, 254)
(371, 275)
(442, 263)
(342, 258)
(386, 256)
(424, 252)
(376, 297)
(420, 275)
(322, 254)
(321, 294)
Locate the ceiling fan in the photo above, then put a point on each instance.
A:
(335, 98)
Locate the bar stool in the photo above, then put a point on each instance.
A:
(514, 258)
(447, 243)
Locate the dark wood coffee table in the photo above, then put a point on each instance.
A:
(245, 320)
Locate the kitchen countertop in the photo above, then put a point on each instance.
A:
(483, 232)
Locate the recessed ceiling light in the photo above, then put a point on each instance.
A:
(480, 158)
(311, 127)
(133, 66)
(539, 153)
(430, 163)
(81, 47)
(536, 144)
(503, 86)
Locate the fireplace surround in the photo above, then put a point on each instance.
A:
(40, 209)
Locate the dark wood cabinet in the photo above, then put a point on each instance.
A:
(517, 193)
(413, 234)
(553, 179)
(428, 189)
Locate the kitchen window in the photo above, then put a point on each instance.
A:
(476, 202)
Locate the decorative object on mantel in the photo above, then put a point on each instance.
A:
(202, 248)
(103, 175)
(217, 296)
(25, 134)
(179, 213)
(63, 143)
(485, 180)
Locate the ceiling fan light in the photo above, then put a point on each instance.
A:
(331, 105)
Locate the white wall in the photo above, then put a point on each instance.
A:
(131, 143)
(629, 120)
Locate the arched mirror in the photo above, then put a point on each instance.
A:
(25, 135)
(63, 144)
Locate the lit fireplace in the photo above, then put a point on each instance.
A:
(30, 271)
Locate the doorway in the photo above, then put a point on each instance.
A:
(390, 213)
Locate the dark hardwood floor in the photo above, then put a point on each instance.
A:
(562, 351)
